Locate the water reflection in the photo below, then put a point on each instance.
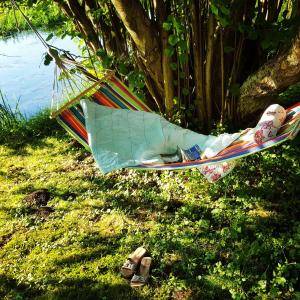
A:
(23, 75)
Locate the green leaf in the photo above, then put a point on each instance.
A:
(265, 44)
(167, 26)
(47, 59)
(173, 66)
(182, 45)
(169, 51)
(242, 28)
(173, 39)
(181, 75)
(234, 89)
(107, 61)
(214, 9)
(225, 10)
(101, 53)
(185, 91)
(123, 69)
(228, 49)
(49, 37)
(253, 35)
(139, 84)
(223, 21)
(177, 25)
(183, 58)
(280, 280)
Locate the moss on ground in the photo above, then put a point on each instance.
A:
(236, 239)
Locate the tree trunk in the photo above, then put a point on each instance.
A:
(168, 78)
(146, 38)
(261, 88)
(208, 68)
(73, 9)
(198, 63)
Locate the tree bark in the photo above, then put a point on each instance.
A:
(146, 38)
(198, 63)
(73, 9)
(208, 67)
(262, 88)
(168, 78)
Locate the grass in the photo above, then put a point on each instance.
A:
(16, 130)
(237, 239)
(43, 14)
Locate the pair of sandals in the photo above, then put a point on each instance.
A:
(130, 268)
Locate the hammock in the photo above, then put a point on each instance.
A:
(77, 83)
(112, 93)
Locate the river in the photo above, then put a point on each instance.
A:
(23, 76)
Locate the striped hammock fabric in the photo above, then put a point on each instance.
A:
(113, 93)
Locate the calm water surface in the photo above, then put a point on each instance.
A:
(23, 75)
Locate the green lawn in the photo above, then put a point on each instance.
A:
(239, 238)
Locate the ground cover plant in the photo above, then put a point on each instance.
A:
(237, 239)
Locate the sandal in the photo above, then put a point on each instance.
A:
(141, 278)
(130, 265)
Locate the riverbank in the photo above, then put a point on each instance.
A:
(43, 15)
(235, 239)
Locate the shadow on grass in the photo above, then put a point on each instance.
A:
(11, 289)
(30, 132)
(68, 289)
(88, 289)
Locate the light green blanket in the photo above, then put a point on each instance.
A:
(122, 138)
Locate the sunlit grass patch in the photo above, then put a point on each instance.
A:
(218, 241)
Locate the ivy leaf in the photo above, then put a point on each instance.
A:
(185, 91)
(140, 84)
(253, 35)
(183, 58)
(169, 51)
(214, 9)
(228, 49)
(173, 39)
(47, 59)
(182, 45)
(173, 66)
(101, 53)
(234, 89)
(177, 25)
(265, 44)
(242, 28)
(123, 69)
(107, 61)
(223, 21)
(167, 26)
(225, 10)
(181, 75)
(49, 37)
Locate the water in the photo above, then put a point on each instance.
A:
(23, 76)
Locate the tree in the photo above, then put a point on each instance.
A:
(202, 59)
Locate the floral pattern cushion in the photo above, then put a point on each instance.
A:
(215, 172)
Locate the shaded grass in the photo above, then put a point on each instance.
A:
(235, 239)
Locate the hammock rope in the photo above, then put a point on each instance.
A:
(71, 79)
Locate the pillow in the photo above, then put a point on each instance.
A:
(269, 124)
